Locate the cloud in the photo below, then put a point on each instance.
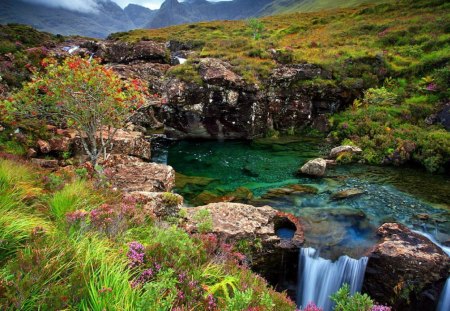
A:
(84, 6)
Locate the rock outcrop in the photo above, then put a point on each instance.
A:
(160, 204)
(315, 167)
(405, 269)
(234, 222)
(131, 174)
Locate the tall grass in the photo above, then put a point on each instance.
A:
(73, 196)
(108, 283)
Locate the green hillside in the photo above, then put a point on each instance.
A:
(290, 6)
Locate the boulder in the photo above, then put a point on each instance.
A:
(160, 204)
(316, 167)
(336, 152)
(45, 163)
(405, 269)
(131, 174)
(124, 52)
(31, 153)
(217, 72)
(44, 146)
(234, 222)
(60, 144)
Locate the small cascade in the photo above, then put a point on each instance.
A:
(181, 60)
(444, 301)
(319, 278)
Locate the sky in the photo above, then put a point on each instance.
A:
(90, 5)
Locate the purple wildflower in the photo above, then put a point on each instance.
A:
(180, 295)
(312, 307)
(380, 308)
(145, 276)
(211, 302)
(182, 277)
(135, 254)
(431, 87)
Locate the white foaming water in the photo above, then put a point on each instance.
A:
(444, 301)
(446, 249)
(319, 278)
(181, 60)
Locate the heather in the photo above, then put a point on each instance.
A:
(70, 243)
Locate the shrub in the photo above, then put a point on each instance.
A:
(379, 97)
(346, 302)
(83, 94)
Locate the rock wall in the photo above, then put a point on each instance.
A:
(213, 101)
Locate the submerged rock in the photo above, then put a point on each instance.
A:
(184, 180)
(316, 167)
(131, 174)
(346, 194)
(405, 269)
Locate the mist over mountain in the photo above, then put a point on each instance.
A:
(99, 18)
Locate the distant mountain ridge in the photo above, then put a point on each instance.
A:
(111, 18)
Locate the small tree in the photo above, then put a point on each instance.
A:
(256, 26)
(82, 95)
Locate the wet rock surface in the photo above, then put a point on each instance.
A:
(405, 269)
(337, 151)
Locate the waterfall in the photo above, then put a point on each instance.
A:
(444, 301)
(319, 278)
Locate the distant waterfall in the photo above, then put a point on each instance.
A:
(319, 278)
(444, 301)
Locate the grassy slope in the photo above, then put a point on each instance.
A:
(411, 37)
(82, 262)
(283, 6)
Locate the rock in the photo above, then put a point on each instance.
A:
(347, 193)
(235, 221)
(182, 181)
(43, 146)
(423, 216)
(314, 167)
(60, 144)
(335, 152)
(126, 143)
(44, 163)
(405, 269)
(131, 174)
(160, 204)
(241, 195)
(31, 153)
(443, 117)
(217, 72)
(124, 52)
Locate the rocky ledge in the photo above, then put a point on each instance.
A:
(405, 269)
(131, 174)
(234, 222)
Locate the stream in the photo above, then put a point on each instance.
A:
(263, 172)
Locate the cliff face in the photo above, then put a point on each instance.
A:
(220, 103)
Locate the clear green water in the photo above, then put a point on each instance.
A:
(346, 226)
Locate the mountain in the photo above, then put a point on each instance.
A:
(107, 19)
(139, 15)
(173, 12)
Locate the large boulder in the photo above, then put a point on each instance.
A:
(216, 72)
(405, 269)
(234, 222)
(130, 174)
(316, 167)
